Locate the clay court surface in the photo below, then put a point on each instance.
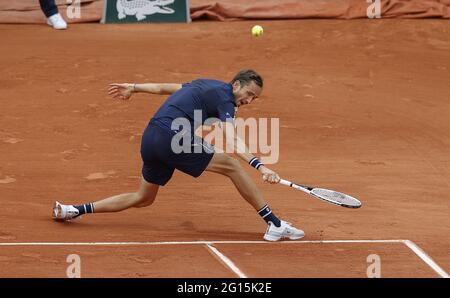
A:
(363, 106)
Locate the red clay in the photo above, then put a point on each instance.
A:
(363, 108)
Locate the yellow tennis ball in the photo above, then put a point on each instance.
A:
(257, 31)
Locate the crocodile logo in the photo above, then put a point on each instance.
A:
(142, 8)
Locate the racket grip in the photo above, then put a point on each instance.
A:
(285, 182)
(295, 186)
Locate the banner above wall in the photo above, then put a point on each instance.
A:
(146, 11)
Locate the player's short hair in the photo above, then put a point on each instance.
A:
(245, 76)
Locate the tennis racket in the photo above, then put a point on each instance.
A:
(329, 196)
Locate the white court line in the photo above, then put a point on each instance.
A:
(411, 245)
(226, 261)
(426, 258)
(189, 242)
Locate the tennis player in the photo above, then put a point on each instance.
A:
(215, 99)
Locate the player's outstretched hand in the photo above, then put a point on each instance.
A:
(269, 175)
(121, 91)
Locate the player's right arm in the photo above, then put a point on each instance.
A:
(241, 150)
(125, 90)
(226, 113)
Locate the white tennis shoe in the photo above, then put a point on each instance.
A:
(285, 230)
(64, 212)
(57, 22)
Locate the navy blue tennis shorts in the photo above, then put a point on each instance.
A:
(160, 161)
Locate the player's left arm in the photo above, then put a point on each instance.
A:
(125, 90)
(157, 88)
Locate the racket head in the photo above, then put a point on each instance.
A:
(335, 197)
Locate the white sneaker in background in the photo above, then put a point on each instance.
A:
(57, 22)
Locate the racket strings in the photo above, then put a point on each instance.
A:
(334, 196)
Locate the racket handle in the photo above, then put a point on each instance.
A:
(293, 185)
(285, 182)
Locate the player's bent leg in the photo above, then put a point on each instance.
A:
(224, 164)
(277, 229)
(145, 196)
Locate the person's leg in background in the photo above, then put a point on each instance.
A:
(50, 10)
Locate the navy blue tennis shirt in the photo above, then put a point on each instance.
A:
(213, 98)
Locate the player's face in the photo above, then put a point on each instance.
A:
(246, 94)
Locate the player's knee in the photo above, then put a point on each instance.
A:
(232, 166)
(144, 201)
